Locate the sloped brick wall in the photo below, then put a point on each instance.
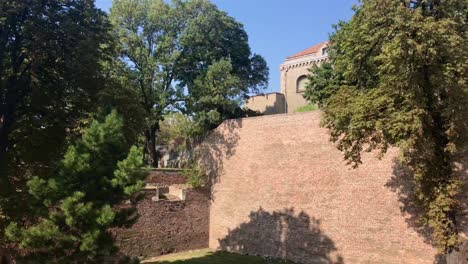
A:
(280, 188)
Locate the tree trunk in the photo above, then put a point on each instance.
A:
(5, 123)
(153, 155)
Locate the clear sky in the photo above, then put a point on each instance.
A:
(280, 28)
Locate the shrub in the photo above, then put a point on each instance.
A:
(196, 176)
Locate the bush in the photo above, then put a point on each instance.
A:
(177, 130)
(196, 176)
(77, 205)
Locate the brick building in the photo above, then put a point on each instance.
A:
(294, 73)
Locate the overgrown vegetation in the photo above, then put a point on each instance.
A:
(76, 205)
(196, 176)
(306, 108)
(178, 131)
(185, 55)
(51, 71)
(397, 77)
(65, 65)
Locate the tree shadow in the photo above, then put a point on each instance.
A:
(282, 234)
(403, 184)
(218, 145)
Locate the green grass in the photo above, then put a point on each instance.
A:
(206, 256)
(306, 108)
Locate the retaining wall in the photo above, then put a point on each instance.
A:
(280, 188)
(166, 226)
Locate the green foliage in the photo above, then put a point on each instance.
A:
(216, 96)
(48, 79)
(127, 175)
(177, 130)
(196, 176)
(324, 81)
(120, 93)
(168, 50)
(50, 74)
(307, 108)
(399, 79)
(96, 173)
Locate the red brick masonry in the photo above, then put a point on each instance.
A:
(283, 190)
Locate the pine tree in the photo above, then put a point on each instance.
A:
(399, 79)
(79, 203)
(51, 55)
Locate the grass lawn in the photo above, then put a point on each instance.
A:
(206, 256)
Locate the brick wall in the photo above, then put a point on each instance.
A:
(280, 188)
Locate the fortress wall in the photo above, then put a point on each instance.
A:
(267, 104)
(280, 188)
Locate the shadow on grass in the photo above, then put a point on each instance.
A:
(224, 258)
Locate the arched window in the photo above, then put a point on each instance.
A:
(301, 84)
(325, 51)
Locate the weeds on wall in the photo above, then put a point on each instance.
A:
(196, 176)
(306, 108)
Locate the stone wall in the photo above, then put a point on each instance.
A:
(280, 188)
(292, 70)
(163, 226)
(460, 256)
(267, 104)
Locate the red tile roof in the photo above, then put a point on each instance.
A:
(311, 50)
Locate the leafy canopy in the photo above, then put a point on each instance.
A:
(50, 75)
(171, 50)
(397, 77)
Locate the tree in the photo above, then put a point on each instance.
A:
(216, 95)
(167, 47)
(120, 93)
(50, 54)
(323, 81)
(400, 80)
(177, 130)
(80, 201)
(50, 73)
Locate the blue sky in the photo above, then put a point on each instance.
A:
(280, 28)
